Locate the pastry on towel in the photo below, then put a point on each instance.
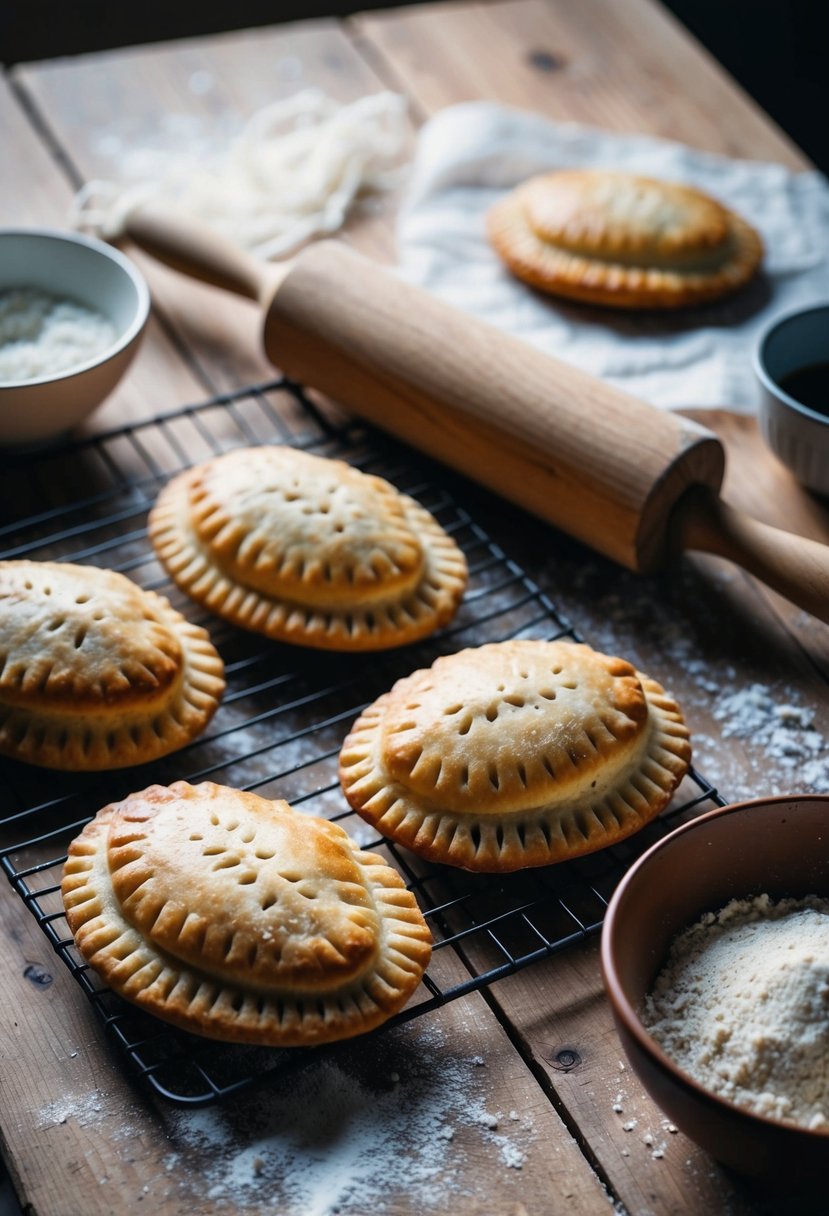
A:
(515, 754)
(624, 241)
(241, 919)
(96, 672)
(307, 550)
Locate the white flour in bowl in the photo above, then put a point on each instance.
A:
(742, 1005)
(42, 335)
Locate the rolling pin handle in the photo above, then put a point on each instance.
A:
(197, 250)
(793, 565)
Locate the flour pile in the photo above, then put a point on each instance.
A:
(743, 1006)
(41, 335)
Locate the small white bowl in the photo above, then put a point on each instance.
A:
(796, 434)
(88, 272)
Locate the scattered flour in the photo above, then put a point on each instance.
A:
(351, 1133)
(656, 1149)
(785, 732)
(337, 1141)
(83, 1109)
(41, 335)
(743, 1006)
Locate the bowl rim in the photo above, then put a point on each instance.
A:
(624, 1010)
(759, 356)
(96, 247)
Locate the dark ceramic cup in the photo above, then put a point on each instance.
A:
(797, 434)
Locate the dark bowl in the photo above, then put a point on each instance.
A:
(774, 845)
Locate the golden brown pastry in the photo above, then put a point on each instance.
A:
(307, 550)
(241, 919)
(97, 673)
(515, 754)
(621, 240)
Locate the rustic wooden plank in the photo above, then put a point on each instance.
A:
(102, 108)
(624, 67)
(573, 1042)
(579, 1013)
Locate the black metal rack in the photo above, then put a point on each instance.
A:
(281, 723)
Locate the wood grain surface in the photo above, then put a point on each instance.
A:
(80, 1139)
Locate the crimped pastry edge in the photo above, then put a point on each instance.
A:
(186, 997)
(597, 280)
(499, 843)
(95, 742)
(376, 626)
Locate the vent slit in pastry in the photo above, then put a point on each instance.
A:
(313, 942)
(98, 673)
(538, 781)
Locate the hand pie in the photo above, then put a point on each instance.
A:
(241, 919)
(307, 550)
(97, 673)
(515, 754)
(621, 240)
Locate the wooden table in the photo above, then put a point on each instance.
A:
(78, 1138)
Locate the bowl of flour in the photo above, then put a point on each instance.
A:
(715, 958)
(72, 312)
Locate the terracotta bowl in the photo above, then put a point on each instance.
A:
(774, 845)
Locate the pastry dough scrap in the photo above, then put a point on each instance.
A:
(621, 240)
(515, 754)
(96, 672)
(241, 919)
(307, 550)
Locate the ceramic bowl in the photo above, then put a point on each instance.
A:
(87, 271)
(797, 435)
(776, 845)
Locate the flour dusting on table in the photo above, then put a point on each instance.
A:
(326, 1140)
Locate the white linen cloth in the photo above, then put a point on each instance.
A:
(468, 155)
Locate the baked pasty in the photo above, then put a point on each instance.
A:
(622, 240)
(241, 919)
(97, 673)
(307, 550)
(515, 754)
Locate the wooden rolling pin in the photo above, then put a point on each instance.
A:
(632, 481)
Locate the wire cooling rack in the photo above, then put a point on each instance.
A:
(282, 720)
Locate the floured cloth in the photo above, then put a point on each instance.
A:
(469, 154)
